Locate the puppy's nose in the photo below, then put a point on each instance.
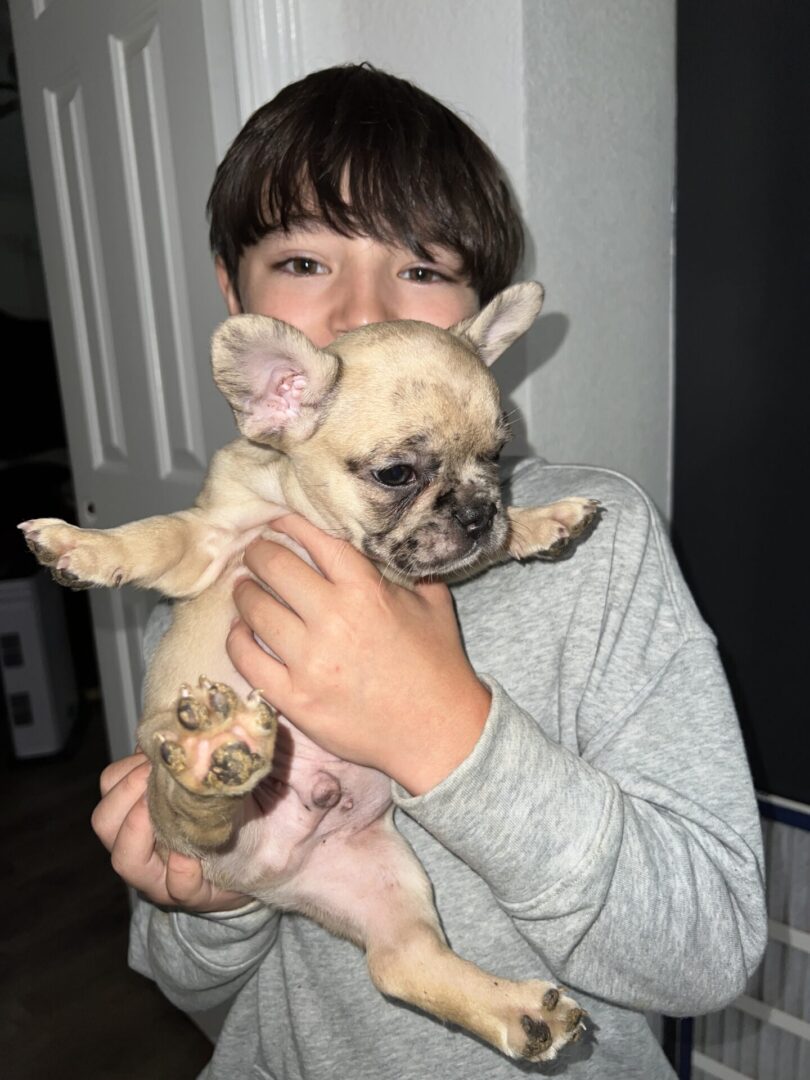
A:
(475, 519)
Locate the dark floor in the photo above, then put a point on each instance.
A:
(69, 1006)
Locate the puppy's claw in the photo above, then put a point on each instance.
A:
(192, 714)
(574, 1019)
(591, 512)
(559, 547)
(69, 579)
(265, 714)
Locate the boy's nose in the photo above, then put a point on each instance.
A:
(359, 304)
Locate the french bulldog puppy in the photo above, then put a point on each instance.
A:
(388, 438)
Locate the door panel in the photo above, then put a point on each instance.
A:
(122, 150)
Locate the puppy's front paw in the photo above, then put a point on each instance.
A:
(548, 530)
(77, 558)
(542, 1019)
(219, 744)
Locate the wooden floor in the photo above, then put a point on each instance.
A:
(69, 1006)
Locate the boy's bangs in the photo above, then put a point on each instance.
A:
(363, 196)
(369, 155)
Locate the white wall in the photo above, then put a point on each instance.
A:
(577, 98)
(600, 105)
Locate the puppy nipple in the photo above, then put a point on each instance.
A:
(326, 791)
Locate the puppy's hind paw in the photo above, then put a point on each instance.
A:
(219, 744)
(545, 1022)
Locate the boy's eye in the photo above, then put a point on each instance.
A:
(423, 275)
(394, 475)
(301, 266)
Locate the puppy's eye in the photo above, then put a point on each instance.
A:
(493, 455)
(394, 475)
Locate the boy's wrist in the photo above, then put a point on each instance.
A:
(444, 738)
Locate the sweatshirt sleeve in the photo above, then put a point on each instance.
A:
(628, 854)
(200, 961)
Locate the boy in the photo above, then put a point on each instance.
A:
(571, 777)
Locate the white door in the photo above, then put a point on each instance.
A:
(128, 105)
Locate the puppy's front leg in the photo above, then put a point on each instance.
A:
(176, 553)
(548, 530)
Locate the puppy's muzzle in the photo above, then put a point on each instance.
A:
(477, 519)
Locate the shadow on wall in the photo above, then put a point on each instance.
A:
(521, 360)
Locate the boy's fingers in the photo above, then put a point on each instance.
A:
(273, 621)
(110, 814)
(255, 665)
(122, 823)
(134, 846)
(184, 878)
(117, 770)
(292, 580)
(336, 559)
(188, 888)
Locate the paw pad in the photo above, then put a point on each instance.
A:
(233, 765)
(538, 1037)
(214, 742)
(174, 755)
(541, 1021)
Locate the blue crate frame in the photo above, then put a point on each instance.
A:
(679, 1034)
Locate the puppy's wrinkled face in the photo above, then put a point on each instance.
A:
(432, 508)
(404, 462)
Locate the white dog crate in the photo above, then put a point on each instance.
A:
(39, 684)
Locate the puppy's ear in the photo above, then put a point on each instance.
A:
(502, 321)
(274, 378)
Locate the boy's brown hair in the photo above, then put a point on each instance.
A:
(373, 155)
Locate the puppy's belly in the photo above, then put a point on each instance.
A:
(309, 798)
(310, 795)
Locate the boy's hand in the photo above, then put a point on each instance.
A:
(372, 672)
(121, 821)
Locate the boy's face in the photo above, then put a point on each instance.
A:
(325, 284)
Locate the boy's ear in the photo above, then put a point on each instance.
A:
(227, 287)
(274, 378)
(502, 321)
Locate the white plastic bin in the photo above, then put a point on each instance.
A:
(39, 683)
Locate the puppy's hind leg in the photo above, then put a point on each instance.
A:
(209, 750)
(379, 896)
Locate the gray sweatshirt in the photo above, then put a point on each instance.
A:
(603, 833)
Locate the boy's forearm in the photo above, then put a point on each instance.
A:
(629, 891)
